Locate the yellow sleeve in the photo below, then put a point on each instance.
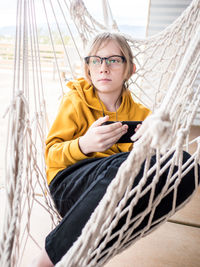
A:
(62, 148)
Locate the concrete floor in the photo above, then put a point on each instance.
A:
(171, 245)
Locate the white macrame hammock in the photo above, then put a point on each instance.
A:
(165, 80)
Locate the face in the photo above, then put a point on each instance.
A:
(108, 78)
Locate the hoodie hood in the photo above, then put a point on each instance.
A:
(88, 95)
(86, 92)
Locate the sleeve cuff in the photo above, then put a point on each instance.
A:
(76, 153)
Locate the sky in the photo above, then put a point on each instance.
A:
(124, 11)
(131, 12)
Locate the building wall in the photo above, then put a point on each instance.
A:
(161, 14)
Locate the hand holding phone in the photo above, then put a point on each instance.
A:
(132, 125)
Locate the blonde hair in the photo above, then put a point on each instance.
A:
(121, 41)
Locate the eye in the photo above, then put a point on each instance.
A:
(111, 61)
(114, 60)
(95, 60)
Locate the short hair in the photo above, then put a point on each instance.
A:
(121, 41)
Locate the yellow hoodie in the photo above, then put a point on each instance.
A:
(78, 110)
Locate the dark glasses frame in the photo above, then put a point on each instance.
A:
(87, 59)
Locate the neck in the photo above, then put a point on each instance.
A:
(112, 103)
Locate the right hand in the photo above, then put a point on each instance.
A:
(99, 138)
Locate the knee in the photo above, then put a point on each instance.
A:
(191, 173)
(42, 260)
(189, 181)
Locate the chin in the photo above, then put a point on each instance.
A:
(104, 89)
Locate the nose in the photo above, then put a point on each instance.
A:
(104, 67)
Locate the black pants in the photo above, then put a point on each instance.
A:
(78, 189)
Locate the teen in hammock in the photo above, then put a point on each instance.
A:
(83, 155)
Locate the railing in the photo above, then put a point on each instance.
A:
(47, 57)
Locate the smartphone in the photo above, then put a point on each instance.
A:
(126, 138)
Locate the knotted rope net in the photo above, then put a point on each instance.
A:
(165, 81)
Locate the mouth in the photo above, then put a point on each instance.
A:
(104, 80)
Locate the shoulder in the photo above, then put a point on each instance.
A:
(70, 102)
(138, 107)
(142, 107)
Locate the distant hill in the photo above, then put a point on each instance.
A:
(7, 31)
(134, 31)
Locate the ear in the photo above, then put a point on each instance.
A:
(134, 68)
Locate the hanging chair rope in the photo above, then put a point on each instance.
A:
(167, 68)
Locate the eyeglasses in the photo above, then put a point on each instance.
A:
(112, 61)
